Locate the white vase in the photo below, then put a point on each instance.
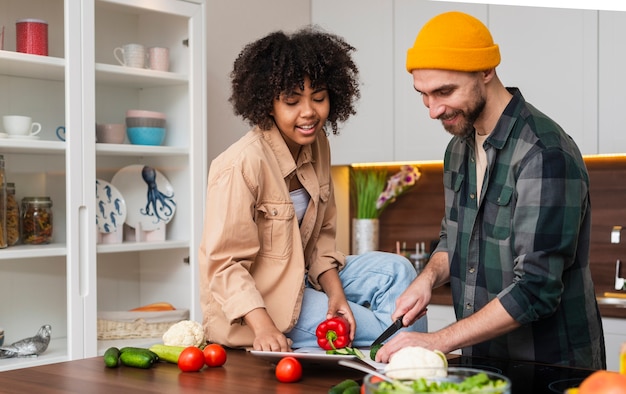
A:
(364, 235)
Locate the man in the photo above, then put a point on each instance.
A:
(514, 241)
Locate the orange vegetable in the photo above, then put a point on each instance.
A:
(603, 382)
(154, 307)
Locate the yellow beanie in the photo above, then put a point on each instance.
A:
(453, 41)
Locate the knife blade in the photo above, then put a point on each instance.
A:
(395, 326)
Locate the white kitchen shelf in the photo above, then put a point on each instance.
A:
(8, 145)
(103, 345)
(114, 75)
(32, 251)
(141, 246)
(56, 353)
(139, 150)
(31, 66)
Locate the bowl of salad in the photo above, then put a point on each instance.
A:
(437, 380)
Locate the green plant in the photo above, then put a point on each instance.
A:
(367, 184)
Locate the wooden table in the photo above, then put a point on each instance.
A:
(242, 373)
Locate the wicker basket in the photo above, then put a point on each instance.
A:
(133, 325)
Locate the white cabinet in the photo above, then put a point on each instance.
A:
(614, 337)
(79, 84)
(612, 60)
(550, 54)
(554, 64)
(417, 136)
(368, 136)
(440, 316)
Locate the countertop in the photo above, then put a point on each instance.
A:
(443, 296)
(244, 373)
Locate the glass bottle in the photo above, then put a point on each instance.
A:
(36, 220)
(12, 215)
(3, 205)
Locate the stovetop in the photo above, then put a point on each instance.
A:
(527, 378)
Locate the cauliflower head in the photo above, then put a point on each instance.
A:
(416, 362)
(184, 333)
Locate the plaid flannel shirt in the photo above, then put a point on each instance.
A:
(526, 241)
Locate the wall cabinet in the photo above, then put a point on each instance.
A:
(611, 81)
(570, 70)
(67, 282)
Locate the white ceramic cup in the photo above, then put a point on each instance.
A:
(131, 55)
(20, 125)
(159, 59)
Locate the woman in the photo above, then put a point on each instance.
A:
(269, 270)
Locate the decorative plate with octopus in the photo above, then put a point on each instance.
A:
(150, 198)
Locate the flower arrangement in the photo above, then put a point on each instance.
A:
(369, 197)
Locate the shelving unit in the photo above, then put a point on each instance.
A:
(80, 84)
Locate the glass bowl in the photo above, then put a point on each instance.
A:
(431, 377)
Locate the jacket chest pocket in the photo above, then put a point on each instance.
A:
(452, 182)
(275, 222)
(498, 212)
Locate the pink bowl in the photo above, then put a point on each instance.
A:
(138, 113)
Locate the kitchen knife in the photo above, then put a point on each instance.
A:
(395, 326)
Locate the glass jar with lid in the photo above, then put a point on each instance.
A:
(12, 216)
(3, 205)
(36, 220)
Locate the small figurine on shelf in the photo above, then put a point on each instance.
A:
(28, 347)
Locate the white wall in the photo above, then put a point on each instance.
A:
(231, 24)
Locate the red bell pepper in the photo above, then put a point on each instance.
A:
(333, 333)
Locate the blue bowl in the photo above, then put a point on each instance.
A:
(146, 135)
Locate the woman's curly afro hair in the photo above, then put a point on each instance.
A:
(279, 62)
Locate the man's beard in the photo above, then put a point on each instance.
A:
(466, 126)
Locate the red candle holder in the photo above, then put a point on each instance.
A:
(32, 36)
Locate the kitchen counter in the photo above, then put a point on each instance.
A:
(443, 296)
(245, 373)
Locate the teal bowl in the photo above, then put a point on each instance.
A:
(146, 135)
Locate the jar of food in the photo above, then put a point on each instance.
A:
(36, 220)
(3, 205)
(12, 215)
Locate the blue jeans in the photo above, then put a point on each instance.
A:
(372, 282)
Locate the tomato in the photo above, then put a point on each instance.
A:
(214, 355)
(288, 370)
(191, 359)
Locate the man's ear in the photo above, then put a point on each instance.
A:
(488, 74)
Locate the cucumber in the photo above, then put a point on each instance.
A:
(344, 351)
(112, 357)
(137, 359)
(375, 350)
(147, 352)
(167, 353)
(343, 386)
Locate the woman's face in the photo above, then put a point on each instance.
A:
(301, 114)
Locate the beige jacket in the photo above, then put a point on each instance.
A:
(253, 254)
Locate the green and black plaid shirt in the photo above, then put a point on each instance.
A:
(526, 241)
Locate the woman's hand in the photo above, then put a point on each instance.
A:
(340, 308)
(266, 336)
(337, 302)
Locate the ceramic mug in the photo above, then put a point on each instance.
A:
(20, 125)
(159, 59)
(131, 55)
(61, 133)
(111, 133)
